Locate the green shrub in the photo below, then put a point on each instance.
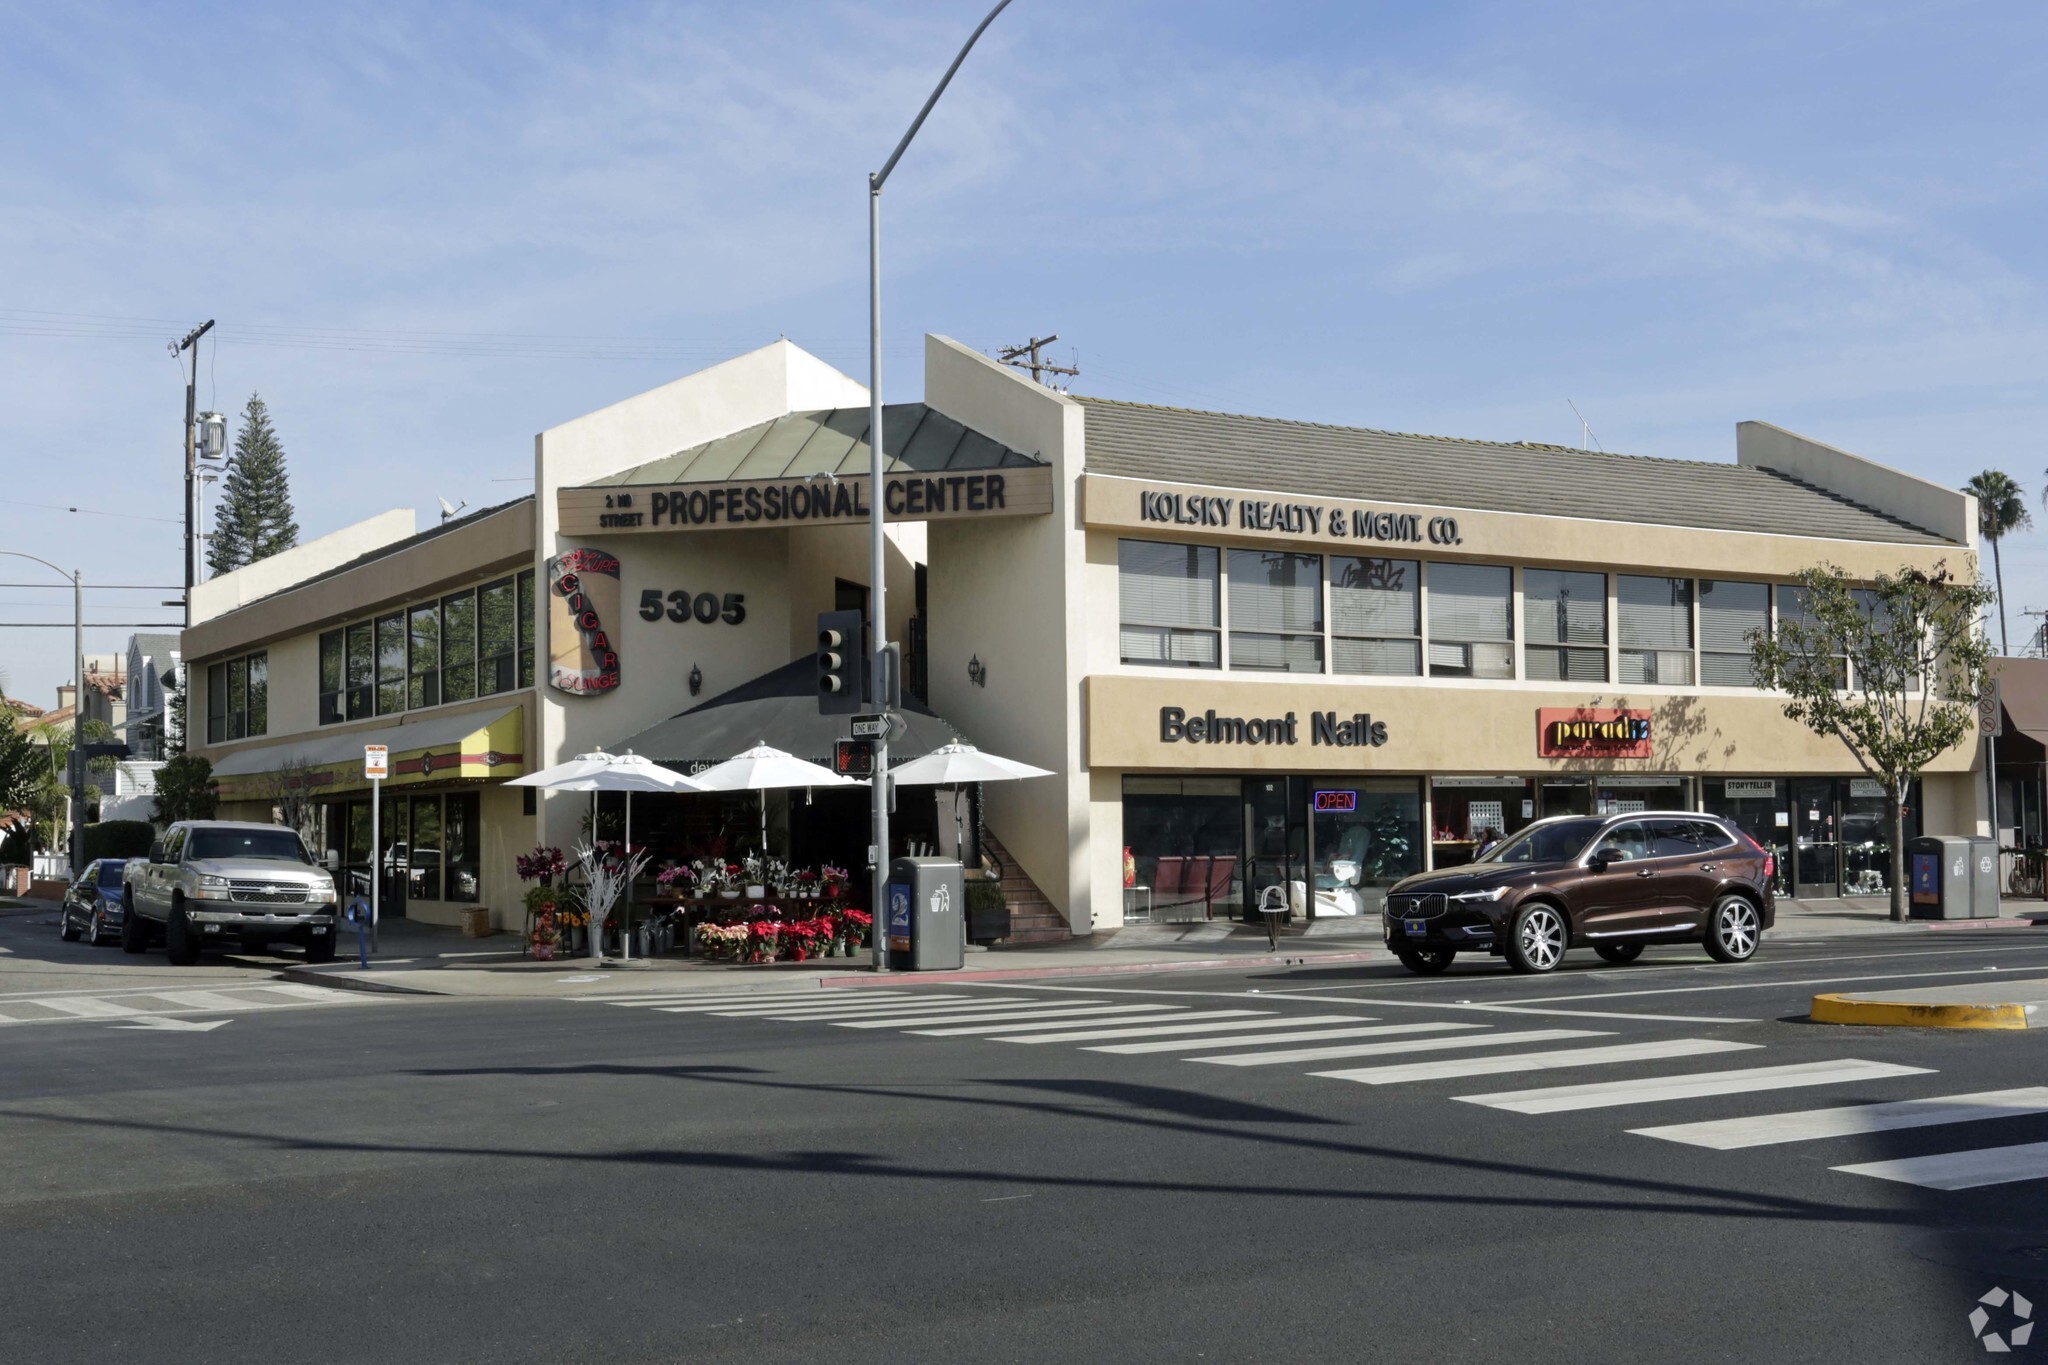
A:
(119, 839)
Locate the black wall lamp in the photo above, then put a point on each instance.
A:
(696, 680)
(977, 671)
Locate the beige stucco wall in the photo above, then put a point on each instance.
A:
(1944, 511)
(997, 591)
(216, 596)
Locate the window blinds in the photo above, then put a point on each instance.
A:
(1375, 597)
(1729, 611)
(1469, 602)
(1166, 585)
(1656, 613)
(1561, 608)
(1272, 591)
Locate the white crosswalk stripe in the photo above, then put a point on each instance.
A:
(125, 1006)
(1811, 1125)
(733, 999)
(1961, 1170)
(1125, 1029)
(1477, 1038)
(1313, 1035)
(1131, 1014)
(1531, 1061)
(1035, 1014)
(996, 1020)
(858, 1011)
(1656, 1089)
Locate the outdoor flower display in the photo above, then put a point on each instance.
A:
(543, 865)
(777, 935)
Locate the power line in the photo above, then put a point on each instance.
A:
(93, 512)
(124, 587)
(92, 625)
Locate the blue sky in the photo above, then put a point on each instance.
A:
(430, 231)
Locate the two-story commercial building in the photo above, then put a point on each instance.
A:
(1253, 652)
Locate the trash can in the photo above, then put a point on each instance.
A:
(926, 900)
(1984, 878)
(1940, 872)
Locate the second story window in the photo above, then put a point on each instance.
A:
(1168, 598)
(331, 691)
(1729, 611)
(1276, 611)
(361, 671)
(238, 698)
(458, 647)
(423, 654)
(1656, 629)
(1565, 615)
(497, 640)
(1471, 621)
(390, 664)
(1375, 616)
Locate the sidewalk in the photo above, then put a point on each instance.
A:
(432, 960)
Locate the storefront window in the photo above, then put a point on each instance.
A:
(460, 836)
(1276, 611)
(1472, 812)
(1168, 596)
(423, 852)
(1759, 807)
(1471, 621)
(497, 662)
(1627, 795)
(330, 678)
(1186, 837)
(390, 665)
(1564, 616)
(1367, 834)
(1729, 612)
(423, 684)
(458, 647)
(362, 671)
(1375, 616)
(1655, 618)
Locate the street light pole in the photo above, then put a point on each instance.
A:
(878, 618)
(191, 343)
(77, 773)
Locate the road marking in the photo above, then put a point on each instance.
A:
(208, 1000)
(295, 990)
(910, 1007)
(160, 1024)
(1125, 1029)
(968, 1018)
(1476, 1039)
(1314, 1035)
(1558, 1060)
(88, 1007)
(1131, 1013)
(712, 1000)
(738, 1011)
(1758, 985)
(1813, 1125)
(1653, 1089)
(1961, 1170)
(1307, 995)
(997, 1018)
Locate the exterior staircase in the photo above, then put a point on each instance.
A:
(1032, 917)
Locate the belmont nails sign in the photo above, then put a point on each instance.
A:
(1593, 732)
(1359, 730)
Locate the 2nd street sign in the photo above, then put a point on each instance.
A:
(876, 727)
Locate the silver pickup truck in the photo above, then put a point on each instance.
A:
(214, 881)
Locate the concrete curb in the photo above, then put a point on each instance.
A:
(312, 977)
(1842, 1009)
(1937, 926)
(1207, 964)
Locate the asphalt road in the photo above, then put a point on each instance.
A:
(641, 1180)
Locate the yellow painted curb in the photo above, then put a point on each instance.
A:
(1842, 1009)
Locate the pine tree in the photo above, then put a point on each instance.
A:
(255, 516)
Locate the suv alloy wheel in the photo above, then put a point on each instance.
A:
(1537, 939)
(1734, 930)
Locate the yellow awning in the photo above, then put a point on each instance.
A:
(442, 749)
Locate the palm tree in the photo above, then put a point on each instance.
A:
(2001, 508)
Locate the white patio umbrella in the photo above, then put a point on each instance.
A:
(765, 768)
(603, 772)
(955, 765)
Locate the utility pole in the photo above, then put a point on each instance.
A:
(1013, 356)
(191, 343)
(878, 880)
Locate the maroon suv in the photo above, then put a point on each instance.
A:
(1609, 883)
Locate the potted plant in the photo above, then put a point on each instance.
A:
(807, 884)
(543, 937)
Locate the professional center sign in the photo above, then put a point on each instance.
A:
(1014, 490)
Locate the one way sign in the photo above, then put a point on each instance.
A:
(877, 727)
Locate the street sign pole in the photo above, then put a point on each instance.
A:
(376, 767)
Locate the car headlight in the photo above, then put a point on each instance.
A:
(320, 894)
(1492, 893)
(210, 888)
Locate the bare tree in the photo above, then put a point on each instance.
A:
(289, 791)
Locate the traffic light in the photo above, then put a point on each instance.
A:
(839, 663)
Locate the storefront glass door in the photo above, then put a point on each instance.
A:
(1563, 796)
(1816, 866)
(1276, 842)
(1365, 835)
(1760, 807)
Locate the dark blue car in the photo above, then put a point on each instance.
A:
(93, 905)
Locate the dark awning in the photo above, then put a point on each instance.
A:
(778, 708)
(2023, 690)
